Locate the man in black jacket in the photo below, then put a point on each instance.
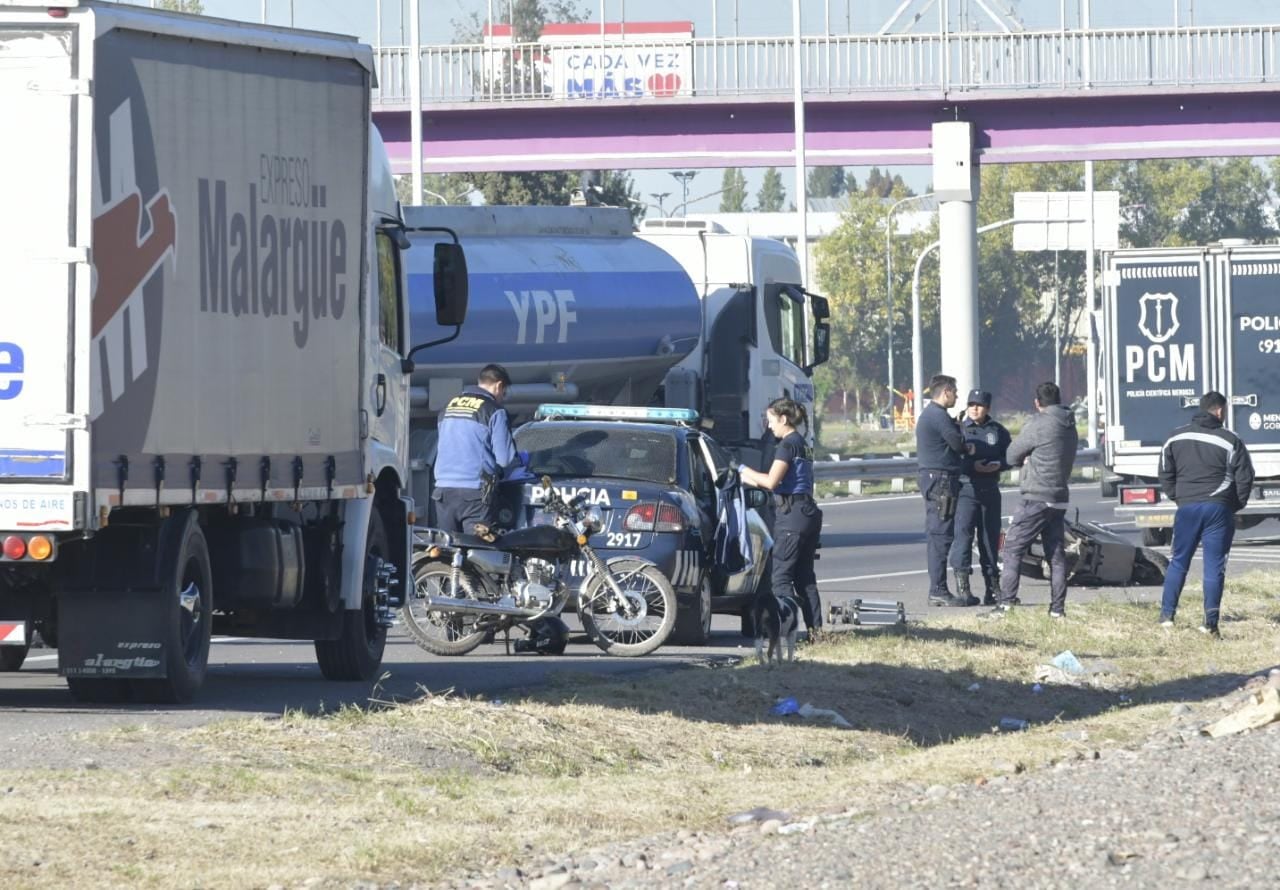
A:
(939, 446)
(1206, 470)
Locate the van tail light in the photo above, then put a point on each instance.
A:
(1139, 495)
(14, 547)
(654, 517)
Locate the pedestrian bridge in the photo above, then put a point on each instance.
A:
(869, 99)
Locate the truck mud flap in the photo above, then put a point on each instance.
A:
(113, 633)
(1097, 557)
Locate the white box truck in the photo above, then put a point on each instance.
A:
(1178, 322)
(203, 414)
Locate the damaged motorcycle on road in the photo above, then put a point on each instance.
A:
(467, 589)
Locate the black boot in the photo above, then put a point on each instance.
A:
(944, 598)
(993, 590)
(964, 595)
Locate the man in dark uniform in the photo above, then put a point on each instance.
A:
(939, 447)
(978, 510)
(475, 447)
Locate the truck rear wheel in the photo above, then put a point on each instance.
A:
(187, 591)
(1156, 537)
(357, 653)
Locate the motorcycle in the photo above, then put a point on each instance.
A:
(467, 589)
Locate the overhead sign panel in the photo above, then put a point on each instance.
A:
(1059, 220)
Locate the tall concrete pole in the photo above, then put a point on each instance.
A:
(802, 197)
(415, 99)
(955, 176)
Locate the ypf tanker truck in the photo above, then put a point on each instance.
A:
(201, 418)
(579, 308)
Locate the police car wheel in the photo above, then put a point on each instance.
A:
(693, 621)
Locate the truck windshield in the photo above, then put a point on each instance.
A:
(576, 449)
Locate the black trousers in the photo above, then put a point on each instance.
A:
(460, 509)
(977, 514)
(938, 526)
(796, 532)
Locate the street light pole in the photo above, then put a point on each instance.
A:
(684, 176)
(888, 275)
(659, 197)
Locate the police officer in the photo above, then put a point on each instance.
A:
(475, 447)
(978, 509)
(797, 522)
(939, 447)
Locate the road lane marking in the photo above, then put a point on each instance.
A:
(873, 577)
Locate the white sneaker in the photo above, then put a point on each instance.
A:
(1168, 622)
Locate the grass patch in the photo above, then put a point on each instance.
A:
(424, 791)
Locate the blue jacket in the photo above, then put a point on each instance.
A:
(475, 440)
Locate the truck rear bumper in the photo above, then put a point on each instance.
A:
(1161, 515)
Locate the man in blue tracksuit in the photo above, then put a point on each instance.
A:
(978, 510)
(939, 447)
(1206, 469)
(475, 447)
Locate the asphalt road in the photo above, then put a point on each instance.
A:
(872, 548)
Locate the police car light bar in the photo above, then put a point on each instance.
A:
(615, 412)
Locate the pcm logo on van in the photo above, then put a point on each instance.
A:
(1264, 421)
(1160, 361)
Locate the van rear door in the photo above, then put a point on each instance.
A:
(1157, 359)
(1252, 385)
(37, 261)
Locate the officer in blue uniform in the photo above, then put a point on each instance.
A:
(939, 447)
(475, 446)
(797, 524)
(978, 509)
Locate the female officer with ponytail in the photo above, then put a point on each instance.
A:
(798, 521)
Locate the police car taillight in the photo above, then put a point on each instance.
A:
(651, 517)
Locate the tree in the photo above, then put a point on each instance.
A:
(733, 191)
(827, 182)
(772, 195)
(195, 7)
(882, 185)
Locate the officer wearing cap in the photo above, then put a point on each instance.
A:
(475, 447)
(978, 508)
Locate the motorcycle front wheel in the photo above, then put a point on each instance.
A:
(435, 630)
(640, 624)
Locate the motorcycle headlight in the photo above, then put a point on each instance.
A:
(593, 519)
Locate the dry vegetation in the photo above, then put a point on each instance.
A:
(429, 790)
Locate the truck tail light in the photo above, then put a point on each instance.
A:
(39, 547)
(14, 547)
(1139, 495)
(654, 517)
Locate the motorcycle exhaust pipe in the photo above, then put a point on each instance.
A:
(471, 607)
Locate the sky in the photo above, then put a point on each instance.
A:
(748, 18)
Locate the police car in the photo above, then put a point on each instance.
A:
(653, 475)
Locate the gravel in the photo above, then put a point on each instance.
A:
(1181, 809)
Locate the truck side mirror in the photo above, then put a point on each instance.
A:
(821, 307)
(450, 278)
(821, 344)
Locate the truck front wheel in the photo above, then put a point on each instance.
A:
(357, 653)
(1156, 537)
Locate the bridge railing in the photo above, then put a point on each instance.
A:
(1198, 58)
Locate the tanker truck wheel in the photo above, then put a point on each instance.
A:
(357, 653)
(187, 591)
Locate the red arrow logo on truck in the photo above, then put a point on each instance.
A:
(124, 260)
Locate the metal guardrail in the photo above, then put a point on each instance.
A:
(1199, 58)
(899, 467)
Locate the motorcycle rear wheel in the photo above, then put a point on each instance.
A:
(654, 609)
(435, 630)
